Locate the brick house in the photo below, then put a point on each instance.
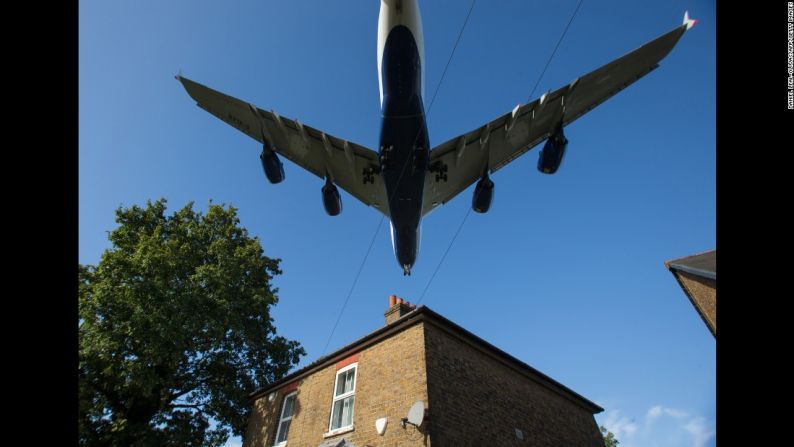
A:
(474, 394)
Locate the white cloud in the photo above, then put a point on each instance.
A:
(700, 434)
(654, 413)
(658, 410)
(675, 413)
(662, 427)
(619, 425)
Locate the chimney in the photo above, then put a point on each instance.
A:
(397, 308)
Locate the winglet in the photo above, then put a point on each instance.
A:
(688, 22)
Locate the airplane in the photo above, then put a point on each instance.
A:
(405, 179)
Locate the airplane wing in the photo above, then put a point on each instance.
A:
(307, 147)
(463, 159)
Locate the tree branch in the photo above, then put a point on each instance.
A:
(196, 384)
(194, 406)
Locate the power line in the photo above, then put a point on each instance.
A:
(361, 267)
(555, 50)
(363, 261)
(455, 47)
(349, 293)
(399, 179)
(433, 276)
(460, 227)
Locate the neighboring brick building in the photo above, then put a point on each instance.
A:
(697, 276)
(475, 394)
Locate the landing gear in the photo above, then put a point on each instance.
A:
(385, 158)
(406, 270)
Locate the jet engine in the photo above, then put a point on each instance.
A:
(274, 170)
(331, 199)
(550, 156)
(483, 195)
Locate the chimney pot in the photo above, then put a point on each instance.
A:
(398, 307)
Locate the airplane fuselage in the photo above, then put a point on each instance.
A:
(404, 143)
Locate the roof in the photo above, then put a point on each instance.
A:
(701, 264)
(425, 314)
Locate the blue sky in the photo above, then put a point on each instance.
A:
(566, 272)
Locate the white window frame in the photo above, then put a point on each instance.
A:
(335, 398)
(282, 418)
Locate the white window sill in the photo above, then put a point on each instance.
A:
(339, 431)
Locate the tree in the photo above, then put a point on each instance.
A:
(609, 438)
(175, 330)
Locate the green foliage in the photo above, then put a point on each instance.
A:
(609, 438)
(175, 329)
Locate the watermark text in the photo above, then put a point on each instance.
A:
(790, 55)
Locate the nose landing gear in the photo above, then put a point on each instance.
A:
(406, 270)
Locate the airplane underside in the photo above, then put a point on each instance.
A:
(405, 179)
(404, 144)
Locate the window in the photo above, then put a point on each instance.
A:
(344, 398)
(287, 409)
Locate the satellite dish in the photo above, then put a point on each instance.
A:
(417, 413)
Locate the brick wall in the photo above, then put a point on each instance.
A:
(703, 293)
(390, 377)
(476, 400)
